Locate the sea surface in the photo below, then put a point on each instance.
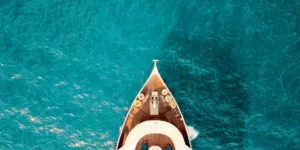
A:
(69, 70)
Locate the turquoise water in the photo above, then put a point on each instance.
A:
(70, 69)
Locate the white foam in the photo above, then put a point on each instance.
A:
(52, 107)
(120, 128)
(34, 119)
(21, 126)
(108, 143)
(86, 95)
(16, 76)
(192, 132)
(77, 86)
(61, 83)
(77, 144)
(103, 135)
(69, 114)
(78, 96)
(56, 130)
(1, 115)
(24, 111)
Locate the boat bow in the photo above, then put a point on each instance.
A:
(154, 118)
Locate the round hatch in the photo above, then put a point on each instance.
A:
(168, 98)
(173, 105)
(164, 92)
(137, 103)
(141, 96)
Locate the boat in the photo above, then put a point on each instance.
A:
(154, 120)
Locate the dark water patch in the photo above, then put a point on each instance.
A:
(208, 87)
(276, 83)
(297, 14)
(18, 5)
(243, 66)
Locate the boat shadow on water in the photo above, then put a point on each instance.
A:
(205, 80)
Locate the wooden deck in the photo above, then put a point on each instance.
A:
(140, 114)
